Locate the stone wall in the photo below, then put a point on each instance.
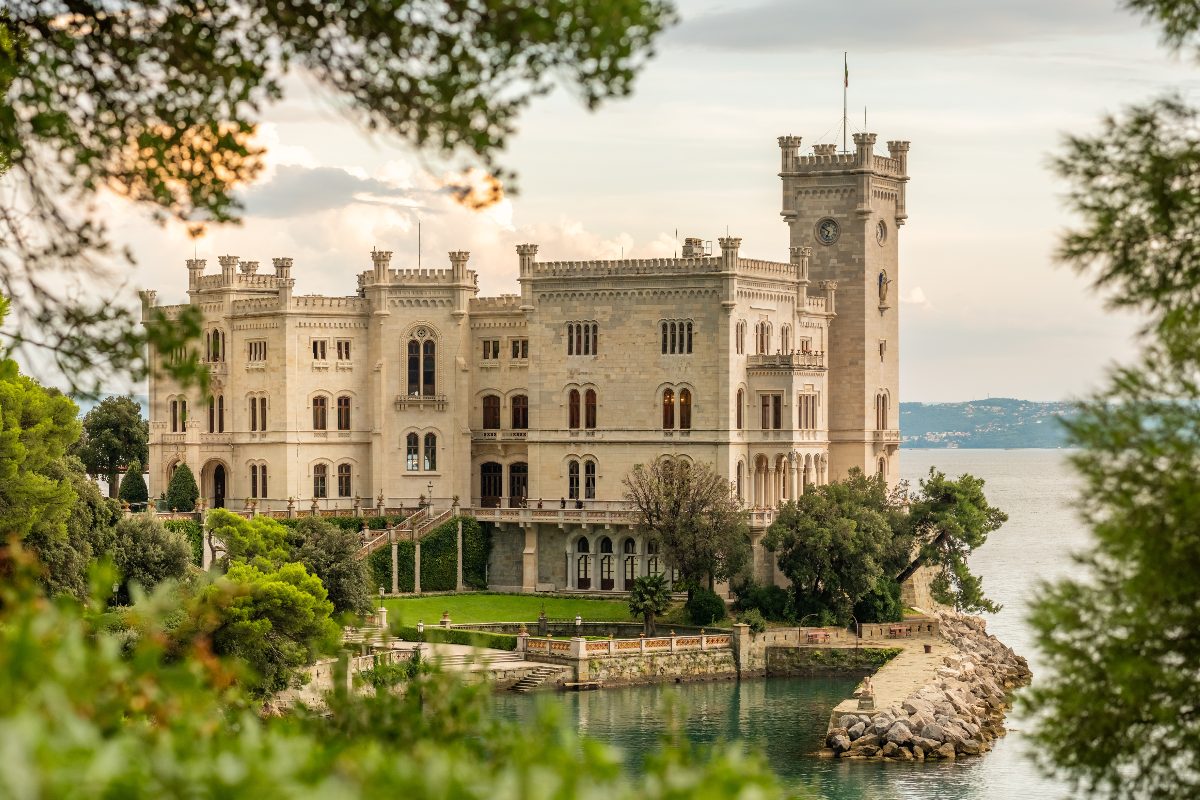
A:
(504, 563)
(813, 661)
(693, 665)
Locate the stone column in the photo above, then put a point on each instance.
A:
(417, 566)
(395, 563)
(771, 487)
(529, 560)
(458, 586)
(794, 475)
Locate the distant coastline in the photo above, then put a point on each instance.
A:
(995, 423)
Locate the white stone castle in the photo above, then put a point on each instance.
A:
(530, 408)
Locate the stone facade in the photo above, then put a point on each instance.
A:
(532, 407)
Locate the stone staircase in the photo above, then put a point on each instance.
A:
(535, 679)
(488, 658)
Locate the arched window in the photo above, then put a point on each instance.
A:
(883, 467)
(573, 480)
(583, 564)
(573, 409)
(664, 339)
(881, 411)
(343, 413)
(254, 480)
(429, 373)
(491, 484)
(739, 480)
(320, 408)
(319, 475)
(595, 339)
(491, 412)
(589, 408)
(253, 413)
(262, 414)
(738, 413)
(786, 338)
(430, 452)
(653, 564)
(520, 412)
(674, 344)
(414, 367)
(668, 409)
(212, 414)
(220, 413)
(740, 338)
(175, 416)
(262, 480)
(589, 480)
(689, 338)
(412, 454)
(518, 484)
(685, 409)
(344, 480)
(578, 339)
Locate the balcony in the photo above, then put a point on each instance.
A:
(796, 361)
(501, 436)
(433, 402)
(887, 437)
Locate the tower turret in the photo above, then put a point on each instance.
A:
(381, 259)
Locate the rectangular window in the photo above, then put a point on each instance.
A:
(343, 475)
(319, 490)
(343, 413)
(257, 350)
(319, 349)
(520, 349)
(807, 410)
(343, 349)
(491, 349)
(413, 454)
(253, 480)
(589, 480)
(262, 481)
(772, 411)
(262, 416)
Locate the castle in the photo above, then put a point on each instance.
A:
(530, 408)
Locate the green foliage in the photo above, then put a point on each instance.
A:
(833, 543)
(649, 597)
(260, 540)
(704, 607)
(37, 425)
(194, 535)
(146, 553)
(387, 676)
(1117, 713)
(133, 486)
(771, 601)
(153, 722)
(274, 620)
(90, 530)
(755, 620)
(949, 519)
(881, 603)
(182, 491)
(114, 436)
(496, 607)
(439, 555)
(183, 87)
(689, 509)
(432, 633)
(331, 554)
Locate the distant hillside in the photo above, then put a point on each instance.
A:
(995, 422)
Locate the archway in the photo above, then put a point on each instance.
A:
(218, 486)
(607, 582)
(518, 484)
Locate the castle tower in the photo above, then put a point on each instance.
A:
(848, 207)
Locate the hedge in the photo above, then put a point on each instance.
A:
(439, 567)
(195, 535)
(346, 523)
(493, 641)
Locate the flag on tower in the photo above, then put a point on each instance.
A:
(846, 64)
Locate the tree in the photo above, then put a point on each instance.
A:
(1117, 712)
(146, 553)
(133, 486)
(182, 86)
(259, 540)
(181, 491)
(37, 425)
(948, 520)
(834, 543)
(114, 436)
(331, 553)
(649, 597)
(690, 509)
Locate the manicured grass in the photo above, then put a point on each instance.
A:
(485, 607)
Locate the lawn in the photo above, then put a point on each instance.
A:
(485, 607)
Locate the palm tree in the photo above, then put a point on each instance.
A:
(649, 597)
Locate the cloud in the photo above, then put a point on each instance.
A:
(916, 297)
(295, 190)
(788, 25)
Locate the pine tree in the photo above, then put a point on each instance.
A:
(133, 486)
(182, 491)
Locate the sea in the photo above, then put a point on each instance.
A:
(785, 718)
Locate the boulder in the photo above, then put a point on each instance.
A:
(899, 733)
(866, 740)
(889, 750)
(839, 744)
(880, 725)
(848, 721)
(946, 751)
(928, 745)
(971, 747)
(935, 732)
(833, 734)
(904, 755)
(918, 753)
(869, 751)
(856, 730)
(915, 705)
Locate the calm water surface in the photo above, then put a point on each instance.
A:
(785, 718)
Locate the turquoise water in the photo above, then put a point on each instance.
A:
(785, 718)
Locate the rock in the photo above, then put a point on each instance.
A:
(825, 752)
(904, 755)
(971, 747)
(935, 732)
(928, 745)
(899, 733)
(918, 752)
(889, 750)
(848, 721)
(915, 705)
(856, 730)
(946, 751)
(869, 751)
(865, 741)
(839, 744)
(833, 734)
(919, 720)
(880, 725)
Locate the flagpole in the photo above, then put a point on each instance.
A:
(845, 87)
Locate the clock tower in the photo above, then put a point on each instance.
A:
(848, 207)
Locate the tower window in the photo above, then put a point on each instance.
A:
(343, 480)
(589, 418)
(320, 473)
(412, 453)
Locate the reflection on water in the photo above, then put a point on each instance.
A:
(785, 718)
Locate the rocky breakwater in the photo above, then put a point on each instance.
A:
(959, 712)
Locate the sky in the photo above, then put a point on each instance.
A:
(984, 91)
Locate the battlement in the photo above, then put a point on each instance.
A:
(634, 267)
(244, 281)
(503, 302)
(316, 301)
(826, 158)
(257, 304)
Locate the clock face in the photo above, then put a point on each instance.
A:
(881, 232)
(827, 231)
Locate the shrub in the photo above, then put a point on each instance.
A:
(133, 486)
(769, 600)
(182, 491)
(147, 553)
(195, 536)
(331, 554)
(755, 620)
(493, 641)
(881, 604)
(704, 607)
